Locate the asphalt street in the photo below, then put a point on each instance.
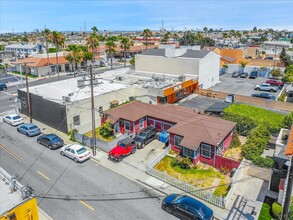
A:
(69, 190)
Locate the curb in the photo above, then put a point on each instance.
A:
(43, 215)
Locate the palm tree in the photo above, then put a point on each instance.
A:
(146, 35)
(74, 56)
(58, 40)
(93, 42)
(125, 45)
(110, 44)
(95, 29)
(46, 34)
(243, 65)
(6, 65)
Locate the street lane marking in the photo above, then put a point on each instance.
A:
(82, 202)
(11, 152)
(43, 175)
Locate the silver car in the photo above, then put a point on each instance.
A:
(76, 152)
(266, 87)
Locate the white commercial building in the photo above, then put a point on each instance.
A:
(23, 49)
(184, 62)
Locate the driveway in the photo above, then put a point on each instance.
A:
(144, 156)
(240, 86)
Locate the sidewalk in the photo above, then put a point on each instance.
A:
(43, 215)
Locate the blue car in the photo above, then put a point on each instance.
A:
(29, 129)
(52, 141)
(185, 207)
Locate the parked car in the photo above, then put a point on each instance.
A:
(3, 86)
(274, 82)
(253, 75)
(235, 74)
(13, 119)
(29, 129)
(289, 90)
(52, 141)
(124, 147)
(269, 58)
(145, 136)
(264, 95)
(76, 152)
(185, 207)
(71, 73)
(244, 75)
(266, 87)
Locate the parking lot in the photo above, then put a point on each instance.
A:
(145, 155)
(240, 86)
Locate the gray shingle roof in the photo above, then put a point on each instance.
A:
(188, 54)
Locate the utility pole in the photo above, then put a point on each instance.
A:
(28, 98)
(285, 210)
(94, 146)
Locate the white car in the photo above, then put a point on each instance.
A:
(13, 119)
(76, 152)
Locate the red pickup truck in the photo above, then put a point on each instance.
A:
(124, 147)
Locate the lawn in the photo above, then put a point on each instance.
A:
(90, 134)
(23, 74)
(265, 213)
(201, 176)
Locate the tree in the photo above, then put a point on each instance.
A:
(75, 55)
(25, 38)
(288, 74)
(147, 33)
(95, 29)
(111, 49)
(132, 61)
(276, 73)
(6, 65)
(93, 42)
(125, 44)
(288, 120)
(285, 58)
(87, 56)
(205, 29)
(58, 40)
(243, 65)
(46, 34)
(254, 29)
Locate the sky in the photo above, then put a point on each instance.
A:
(126, 15)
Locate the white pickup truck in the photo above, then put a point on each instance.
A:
(289, 90)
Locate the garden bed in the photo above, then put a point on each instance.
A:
(234, 153)
(202, 176)
(99, 136)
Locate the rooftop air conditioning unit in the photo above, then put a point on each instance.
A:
(66, 99)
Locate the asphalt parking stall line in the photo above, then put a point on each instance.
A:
(11, 153)
(86, 205)
(43, 175)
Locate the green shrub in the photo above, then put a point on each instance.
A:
(52, 50)
(183, 162)
(248, 117)
(277, 210)
(106, 130)
(288, 120)
(71, 134)
(282, 97)
(235, 140)
(263, 162)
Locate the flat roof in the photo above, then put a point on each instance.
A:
(21, 46)
(54, 91)
(8, 199)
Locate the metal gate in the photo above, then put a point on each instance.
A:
(277, 175)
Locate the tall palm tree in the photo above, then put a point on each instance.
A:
(58, 40)
(46, 34)
(111, 49)
(6, 65)
(146, 35)
(125, 44)
(95, 29)
(74, 56)
(92, 42)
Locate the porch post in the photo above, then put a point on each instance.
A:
(215, 156)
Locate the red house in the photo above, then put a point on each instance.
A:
(200, 137)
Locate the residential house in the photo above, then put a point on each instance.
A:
(199, 137)
(183, 61)
(23, 50)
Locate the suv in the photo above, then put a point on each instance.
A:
(253, 75)
(145, 136)
(289, 90)
(124, 147)
(266, 87)
(274, 82)
(3, 86)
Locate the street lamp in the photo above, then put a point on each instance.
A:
(276, 48)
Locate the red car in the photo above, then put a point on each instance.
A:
(274, 82)
(124, 147)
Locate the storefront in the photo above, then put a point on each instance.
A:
(177, 92)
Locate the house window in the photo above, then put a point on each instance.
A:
(177, 140)
(220, 149)
(76, 120)
(206, 151)
(141, 123)
(127, 125)
(189, 153)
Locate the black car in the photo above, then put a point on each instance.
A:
(236, 74)
(3, 86)
(52, 141)
(185, 207)
(145, 136)
(253, 75)
(244, 75)
(264, 95)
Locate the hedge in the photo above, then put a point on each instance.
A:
(277, 210)
(249, 117)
